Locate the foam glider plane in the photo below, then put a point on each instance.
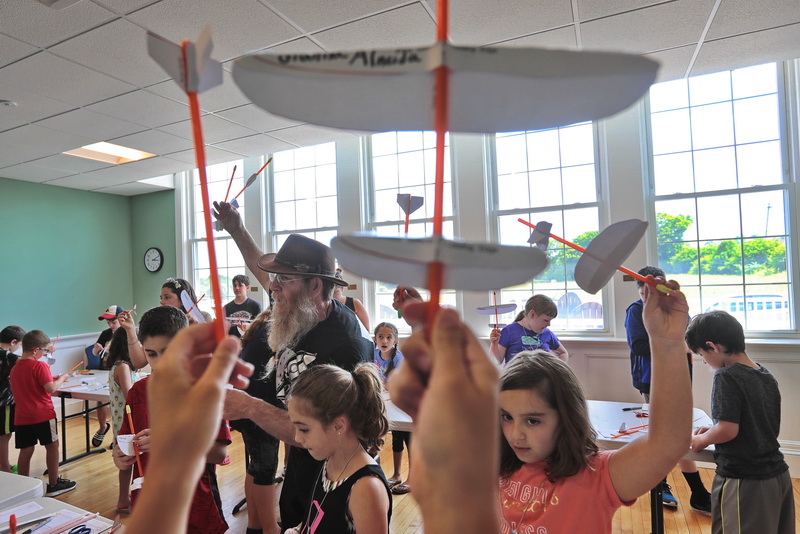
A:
(192, 68)
(443, 88)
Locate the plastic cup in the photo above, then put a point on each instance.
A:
(125, 444)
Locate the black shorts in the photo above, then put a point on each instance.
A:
(262, 453)
(45, 433)
(398, 437)
(6, 420)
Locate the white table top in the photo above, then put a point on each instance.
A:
(15, 489)
(398, 419)
(607, 417)
(44, 506)
(88, 386)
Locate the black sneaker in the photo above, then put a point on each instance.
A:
(62, 485)
(667, 499)
(701, 504)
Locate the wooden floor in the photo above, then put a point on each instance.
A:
(97, 491)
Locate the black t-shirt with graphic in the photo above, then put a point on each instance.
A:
(247, 310)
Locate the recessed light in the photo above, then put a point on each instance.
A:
(109, 153)
(8, 103)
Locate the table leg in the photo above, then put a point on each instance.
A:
(63, 431)
(656, 511)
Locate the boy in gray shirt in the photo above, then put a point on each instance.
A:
(752, 490)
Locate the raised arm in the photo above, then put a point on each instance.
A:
(135, 349)
(498, 350)
(232, 222)
(640, 465)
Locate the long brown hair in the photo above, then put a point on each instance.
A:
(576, 440)
(331, 392)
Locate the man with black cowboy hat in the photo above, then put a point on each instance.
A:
(308, 327)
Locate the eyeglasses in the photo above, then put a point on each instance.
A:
(281, 279)
(45, 350)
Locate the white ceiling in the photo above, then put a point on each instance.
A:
(82, 74)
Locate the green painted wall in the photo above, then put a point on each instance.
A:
(66, 256)
(153, 225)
(69, 254)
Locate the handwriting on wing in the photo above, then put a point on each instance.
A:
(361, 58)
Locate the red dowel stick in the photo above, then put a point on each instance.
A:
(637, 276)
(135, 446)
(230, 183)
(200, 159)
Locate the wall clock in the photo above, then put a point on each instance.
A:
(153, 259)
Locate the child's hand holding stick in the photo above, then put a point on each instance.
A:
(450, 387)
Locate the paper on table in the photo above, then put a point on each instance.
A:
(19, 511)
(199, 72)
(471, 266)
(65, 519)
(606, 253)
(491, 89)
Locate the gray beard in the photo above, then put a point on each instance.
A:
(291, 321)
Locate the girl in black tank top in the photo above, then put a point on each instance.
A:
(338, 415)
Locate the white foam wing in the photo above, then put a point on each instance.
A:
(491, 89)
(606, 253)
(496, 308)
(198, 72)
(469, 266)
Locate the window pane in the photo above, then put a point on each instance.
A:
(545, 188)
(673, 173)
(757, 119)
(284, 216)
(709, 88)
(760, 164)
(543, 150)
(326, 180)
(671, 131)
(283, 186)
(712, 126)
(669, 95)
(579, 184)
(762, 311)
(765, 215)
(511, 156)
(384, 171)
(715, 169)
(753, 81)
(718, 217)
(577, 145)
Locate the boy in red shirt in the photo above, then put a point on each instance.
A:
(157, 328)
(32, 384)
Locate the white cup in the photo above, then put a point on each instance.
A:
(125, 443)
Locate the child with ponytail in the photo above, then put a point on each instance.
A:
(338, 415)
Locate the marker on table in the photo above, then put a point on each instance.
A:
(631, 408)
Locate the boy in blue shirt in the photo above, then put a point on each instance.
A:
(752, 490)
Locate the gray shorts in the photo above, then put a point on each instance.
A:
(262, 454)
(743, 505)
